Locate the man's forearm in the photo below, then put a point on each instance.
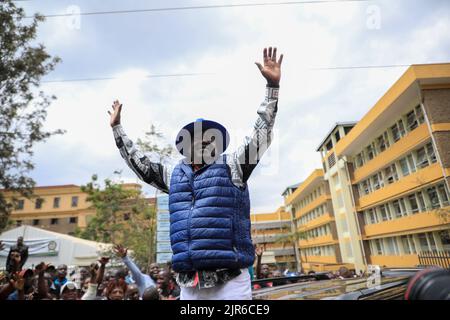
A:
(248, 155)
(148, 171)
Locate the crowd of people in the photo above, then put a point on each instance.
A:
(127, 282)
(47, 282)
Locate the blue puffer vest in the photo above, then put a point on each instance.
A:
(209, 219)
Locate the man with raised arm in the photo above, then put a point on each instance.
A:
(208, 195)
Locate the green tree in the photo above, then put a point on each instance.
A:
(23, 106)
(292, 237)
(154, 142)
(122, 216)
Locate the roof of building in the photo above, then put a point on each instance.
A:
(344, 124)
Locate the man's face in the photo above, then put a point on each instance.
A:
(203, 150)
(133, 293)
(265, 270)
(83, 273)
(154, 270)
(69, 294)
(62, 271)
(116, 294)
(15, 257)
(162, 279)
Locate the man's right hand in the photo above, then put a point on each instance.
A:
(115, 115)
(121, 251)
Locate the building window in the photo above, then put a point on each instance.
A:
(54, 221)
(377, 181)
(443, 194)
(391, 174)
(38, 203)
(398, 130)
(384, 211)
(430, 153)
(75, 201)
(445, 239)
(412, 165)
(370, 152)
(434, 198)
(20, 204)
(408, 244)
(421, 156)
(392, 246)
(56, 201)
(36, 222)
(73, 220)
(404, 167)
(337, 136)
(419, 114)
(426, 242)
(421, 201)
(359, 160)
(413, 203)
(383, 142)
(329, 145)
(378, 247)
(399, 208)
(411, 120)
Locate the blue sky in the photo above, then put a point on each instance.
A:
(224, 42)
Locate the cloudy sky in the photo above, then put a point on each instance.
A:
(223, 44)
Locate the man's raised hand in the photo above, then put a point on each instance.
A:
(115, 115)
(271, 69)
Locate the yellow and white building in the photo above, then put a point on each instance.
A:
(60, 208)
(389, 173)
(268, 230)
(313, 219)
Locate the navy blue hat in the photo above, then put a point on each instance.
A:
(196, 129)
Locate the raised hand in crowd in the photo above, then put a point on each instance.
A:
(120, 251)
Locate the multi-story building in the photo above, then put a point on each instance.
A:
(389, 174)
(313, 220)
(60, 208)
(269, 230)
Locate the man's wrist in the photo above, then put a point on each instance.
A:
(272, 93)
(272, 85)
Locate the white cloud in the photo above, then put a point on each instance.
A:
(310, 101)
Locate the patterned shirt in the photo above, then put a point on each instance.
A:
(241, 162)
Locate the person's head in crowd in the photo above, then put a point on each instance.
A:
(151, 293)
(84, 274)
(20, 241)
(154, 271)
(15, 257)
(121, 273)
(276, 274)
(163, 280)
(311, 272)
(116, 290)
(132, 292)
(52, 271)
(265, 271)
(61, 272)
(69, 291)
(28, 276)
(345, 273)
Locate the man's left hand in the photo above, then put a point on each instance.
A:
(272, 68)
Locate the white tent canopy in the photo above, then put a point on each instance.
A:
(52, 247)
